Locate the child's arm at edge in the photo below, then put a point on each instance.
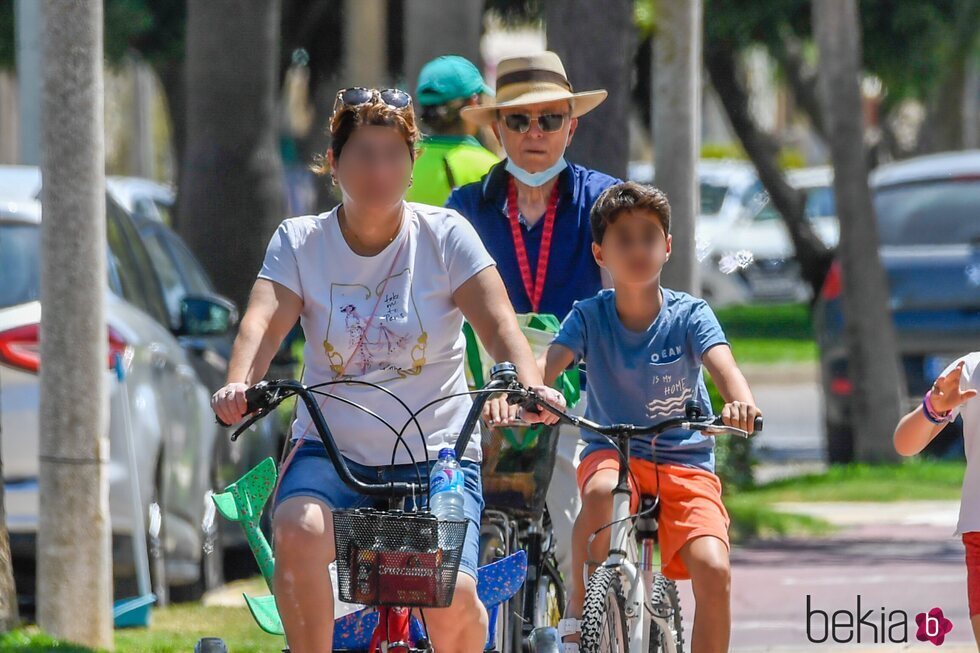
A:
(555, 361)
(915, 431)
(740, 410)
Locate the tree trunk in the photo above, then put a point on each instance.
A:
(459, 24)
(869, 332)
(231, 194)
(9, 617)
(74, 565)
(595, 41)
(944, 125)
(763, 150)
(677, 125)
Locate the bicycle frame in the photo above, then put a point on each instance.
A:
(394, 630)
(636, 572)
(636, 575)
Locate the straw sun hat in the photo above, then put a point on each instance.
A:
(533, 79)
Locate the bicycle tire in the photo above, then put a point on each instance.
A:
(549, 599)
(665, 597)
(604, 615)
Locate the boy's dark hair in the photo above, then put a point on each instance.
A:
(628, 196)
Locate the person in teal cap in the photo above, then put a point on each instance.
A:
(450, 155)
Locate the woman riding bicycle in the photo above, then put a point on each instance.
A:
(381, 287)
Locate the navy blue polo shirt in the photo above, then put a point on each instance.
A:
(572, 271)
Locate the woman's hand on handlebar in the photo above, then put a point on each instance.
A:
(499, 412)
(229, 403)
(741, 415)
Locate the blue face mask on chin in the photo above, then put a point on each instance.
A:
(535, 179)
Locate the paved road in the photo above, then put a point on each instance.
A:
(790, 398)
(912, 565)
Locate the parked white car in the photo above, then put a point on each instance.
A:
(174, 333)
(751, 258)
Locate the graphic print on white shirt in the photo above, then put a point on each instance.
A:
(414, 345)
(394, 335)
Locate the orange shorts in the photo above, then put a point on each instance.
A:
(971, 541)
(690, 503)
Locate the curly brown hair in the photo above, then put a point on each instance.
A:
(346, 120)
(628, 196)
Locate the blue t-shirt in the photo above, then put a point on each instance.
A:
(572, 271)
(645, 377)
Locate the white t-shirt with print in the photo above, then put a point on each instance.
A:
(414, 344)
(970, 503)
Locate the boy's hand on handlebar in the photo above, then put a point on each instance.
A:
(741, 415)
(229, 403)
(551, 396)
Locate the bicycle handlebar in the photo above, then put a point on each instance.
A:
(692, 419)
(265, 396)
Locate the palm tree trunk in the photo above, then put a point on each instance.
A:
(74, 566)
(596, 41)
(9, 617)
(231, 179)
(869, 332)
(677, 128)
(459, 24)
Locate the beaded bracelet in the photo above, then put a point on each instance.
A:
(931, 413)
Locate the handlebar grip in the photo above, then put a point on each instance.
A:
(756, 427)
(255, 399)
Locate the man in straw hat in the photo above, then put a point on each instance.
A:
(534, 115)
(532, 212)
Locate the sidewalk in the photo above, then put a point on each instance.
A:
(898, 556)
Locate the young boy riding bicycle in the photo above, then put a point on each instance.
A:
(645, 346)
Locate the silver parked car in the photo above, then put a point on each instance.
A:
(174, 334)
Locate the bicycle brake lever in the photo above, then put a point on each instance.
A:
(247, 424)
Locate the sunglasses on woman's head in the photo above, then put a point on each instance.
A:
(358, 95)
(521, 122)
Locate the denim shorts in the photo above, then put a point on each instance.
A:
(311, 474)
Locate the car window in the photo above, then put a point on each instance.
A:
(170, 278)
(942, 212)
(123, 264)
(20, 278)
(712, 197)
(166, 212)
(138, 280)
(196, 279)
(820, 202)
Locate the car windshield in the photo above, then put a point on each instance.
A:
(940, 212)
(712, 197)
(20, 278)
(819, 203)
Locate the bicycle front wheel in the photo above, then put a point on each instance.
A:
(666, 628)
(604, 615)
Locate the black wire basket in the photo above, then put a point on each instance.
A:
(397, 558)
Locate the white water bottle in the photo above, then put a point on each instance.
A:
(446, 487)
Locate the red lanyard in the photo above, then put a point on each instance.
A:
(533, 291)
